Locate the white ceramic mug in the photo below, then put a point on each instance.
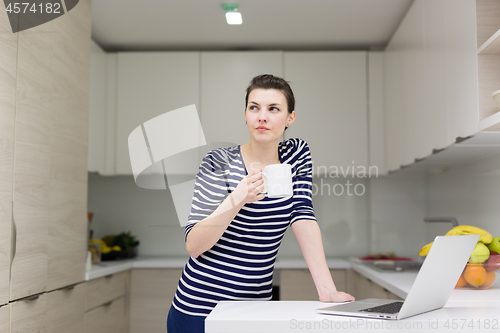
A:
(278, 180)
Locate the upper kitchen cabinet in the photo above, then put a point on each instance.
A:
(488, 60)
(224, 79)
(431, 77)
(8, 58)
(99, 156)
(148, 84)
(331, 106)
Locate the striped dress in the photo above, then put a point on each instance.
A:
(240, 265)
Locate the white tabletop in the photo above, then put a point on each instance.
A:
(301, 316)
(465, 311)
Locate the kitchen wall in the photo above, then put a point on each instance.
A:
(470, 193)
(388, 216)
(120, 205)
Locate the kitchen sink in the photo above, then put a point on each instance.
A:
(394, 266)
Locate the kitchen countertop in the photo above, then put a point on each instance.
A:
(112, 267)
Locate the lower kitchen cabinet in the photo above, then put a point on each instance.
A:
(152, 291)
(298, 285)
(4, 318)
(28, 315)
(109, 317)
(107, 304)
(366, 288)
(65, 309)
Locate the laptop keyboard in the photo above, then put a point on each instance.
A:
(386, 308)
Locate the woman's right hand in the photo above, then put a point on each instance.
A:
(249, 188)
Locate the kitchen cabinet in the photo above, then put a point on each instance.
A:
(107, 304)
(152, 291)
(29, 314)
(98, 156)
(109, 317)
(431, 78)
(50, 154)
(5, 318)
(366, 288)
(488, 62)
(225, 77)
(149, 84)
(298, 285)
(333, 117)
(8, 58)
(65, 309)
(332, 112)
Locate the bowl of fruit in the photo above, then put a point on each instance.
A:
(482, 270)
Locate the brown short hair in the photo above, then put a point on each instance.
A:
(269, 81)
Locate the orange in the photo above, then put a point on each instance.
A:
(461, 282)
(474, 274)
(490, 278)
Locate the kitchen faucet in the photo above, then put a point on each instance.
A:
(450, 219)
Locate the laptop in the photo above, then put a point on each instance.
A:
(433, 286)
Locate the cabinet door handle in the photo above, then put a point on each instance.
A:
(32, 298)
(108, 303)
(108, 276)
(69, 287)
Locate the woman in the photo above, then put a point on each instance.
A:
(234, 231)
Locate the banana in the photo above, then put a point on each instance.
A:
(425, 249)
(486, 237)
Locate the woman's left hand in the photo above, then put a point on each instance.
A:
(337, 297)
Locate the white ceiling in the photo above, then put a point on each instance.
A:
(142, 25)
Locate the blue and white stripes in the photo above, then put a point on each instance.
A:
(240, 265)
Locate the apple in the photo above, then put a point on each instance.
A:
(494, 245)
(480, 254)
(493, 262)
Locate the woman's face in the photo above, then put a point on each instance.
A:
(267, 114)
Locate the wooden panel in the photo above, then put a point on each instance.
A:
(107, 318)
(339, 277)
(298, 284)
(332, 112)
(5, 319)
(8, 58)
(224, 79)
(151, 292)
(29, 316)
(65, 310)
(68, 140)
(105, 289)
(488, 19)
(34, 104)
(362, 287)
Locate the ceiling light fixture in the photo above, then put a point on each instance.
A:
(233, 17)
